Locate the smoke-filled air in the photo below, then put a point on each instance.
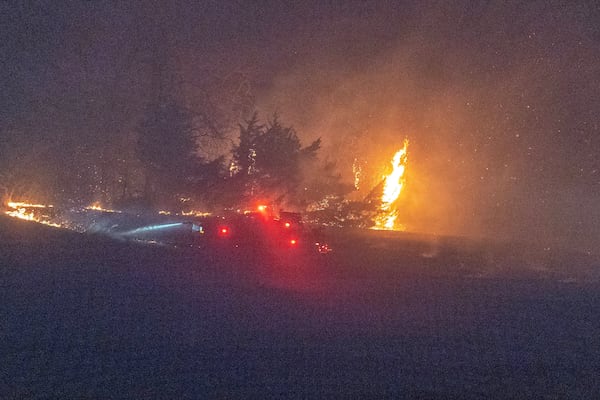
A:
(483, 116)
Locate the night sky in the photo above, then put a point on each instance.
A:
(500, 100)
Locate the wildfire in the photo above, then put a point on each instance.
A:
(19, 204)
(392, 187)
(28, 212)
(96, 206)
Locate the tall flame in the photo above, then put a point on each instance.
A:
(392, 187)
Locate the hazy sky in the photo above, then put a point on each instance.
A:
(500, 100)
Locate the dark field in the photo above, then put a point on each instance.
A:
(384, 316)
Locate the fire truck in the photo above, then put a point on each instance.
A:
(260, 229)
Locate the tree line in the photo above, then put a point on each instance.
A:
(126, 126)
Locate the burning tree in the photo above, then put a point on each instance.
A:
(377, 210)
(392, 187)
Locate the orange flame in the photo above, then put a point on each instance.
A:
(392, 187)
(25, 211)
(97, 206)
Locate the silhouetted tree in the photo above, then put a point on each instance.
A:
(244, 154)
(167, 149)
(268, 160)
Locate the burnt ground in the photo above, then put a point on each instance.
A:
(384, 316)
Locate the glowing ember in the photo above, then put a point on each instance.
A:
(194, 213)
(357, 171)
(392, 187)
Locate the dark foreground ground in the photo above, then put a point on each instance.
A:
(384, 316)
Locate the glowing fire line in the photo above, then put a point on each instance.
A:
(96, 206)
(20, 211)
(18, 204)
(393, 184)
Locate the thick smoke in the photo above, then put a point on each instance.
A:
(497, 105)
